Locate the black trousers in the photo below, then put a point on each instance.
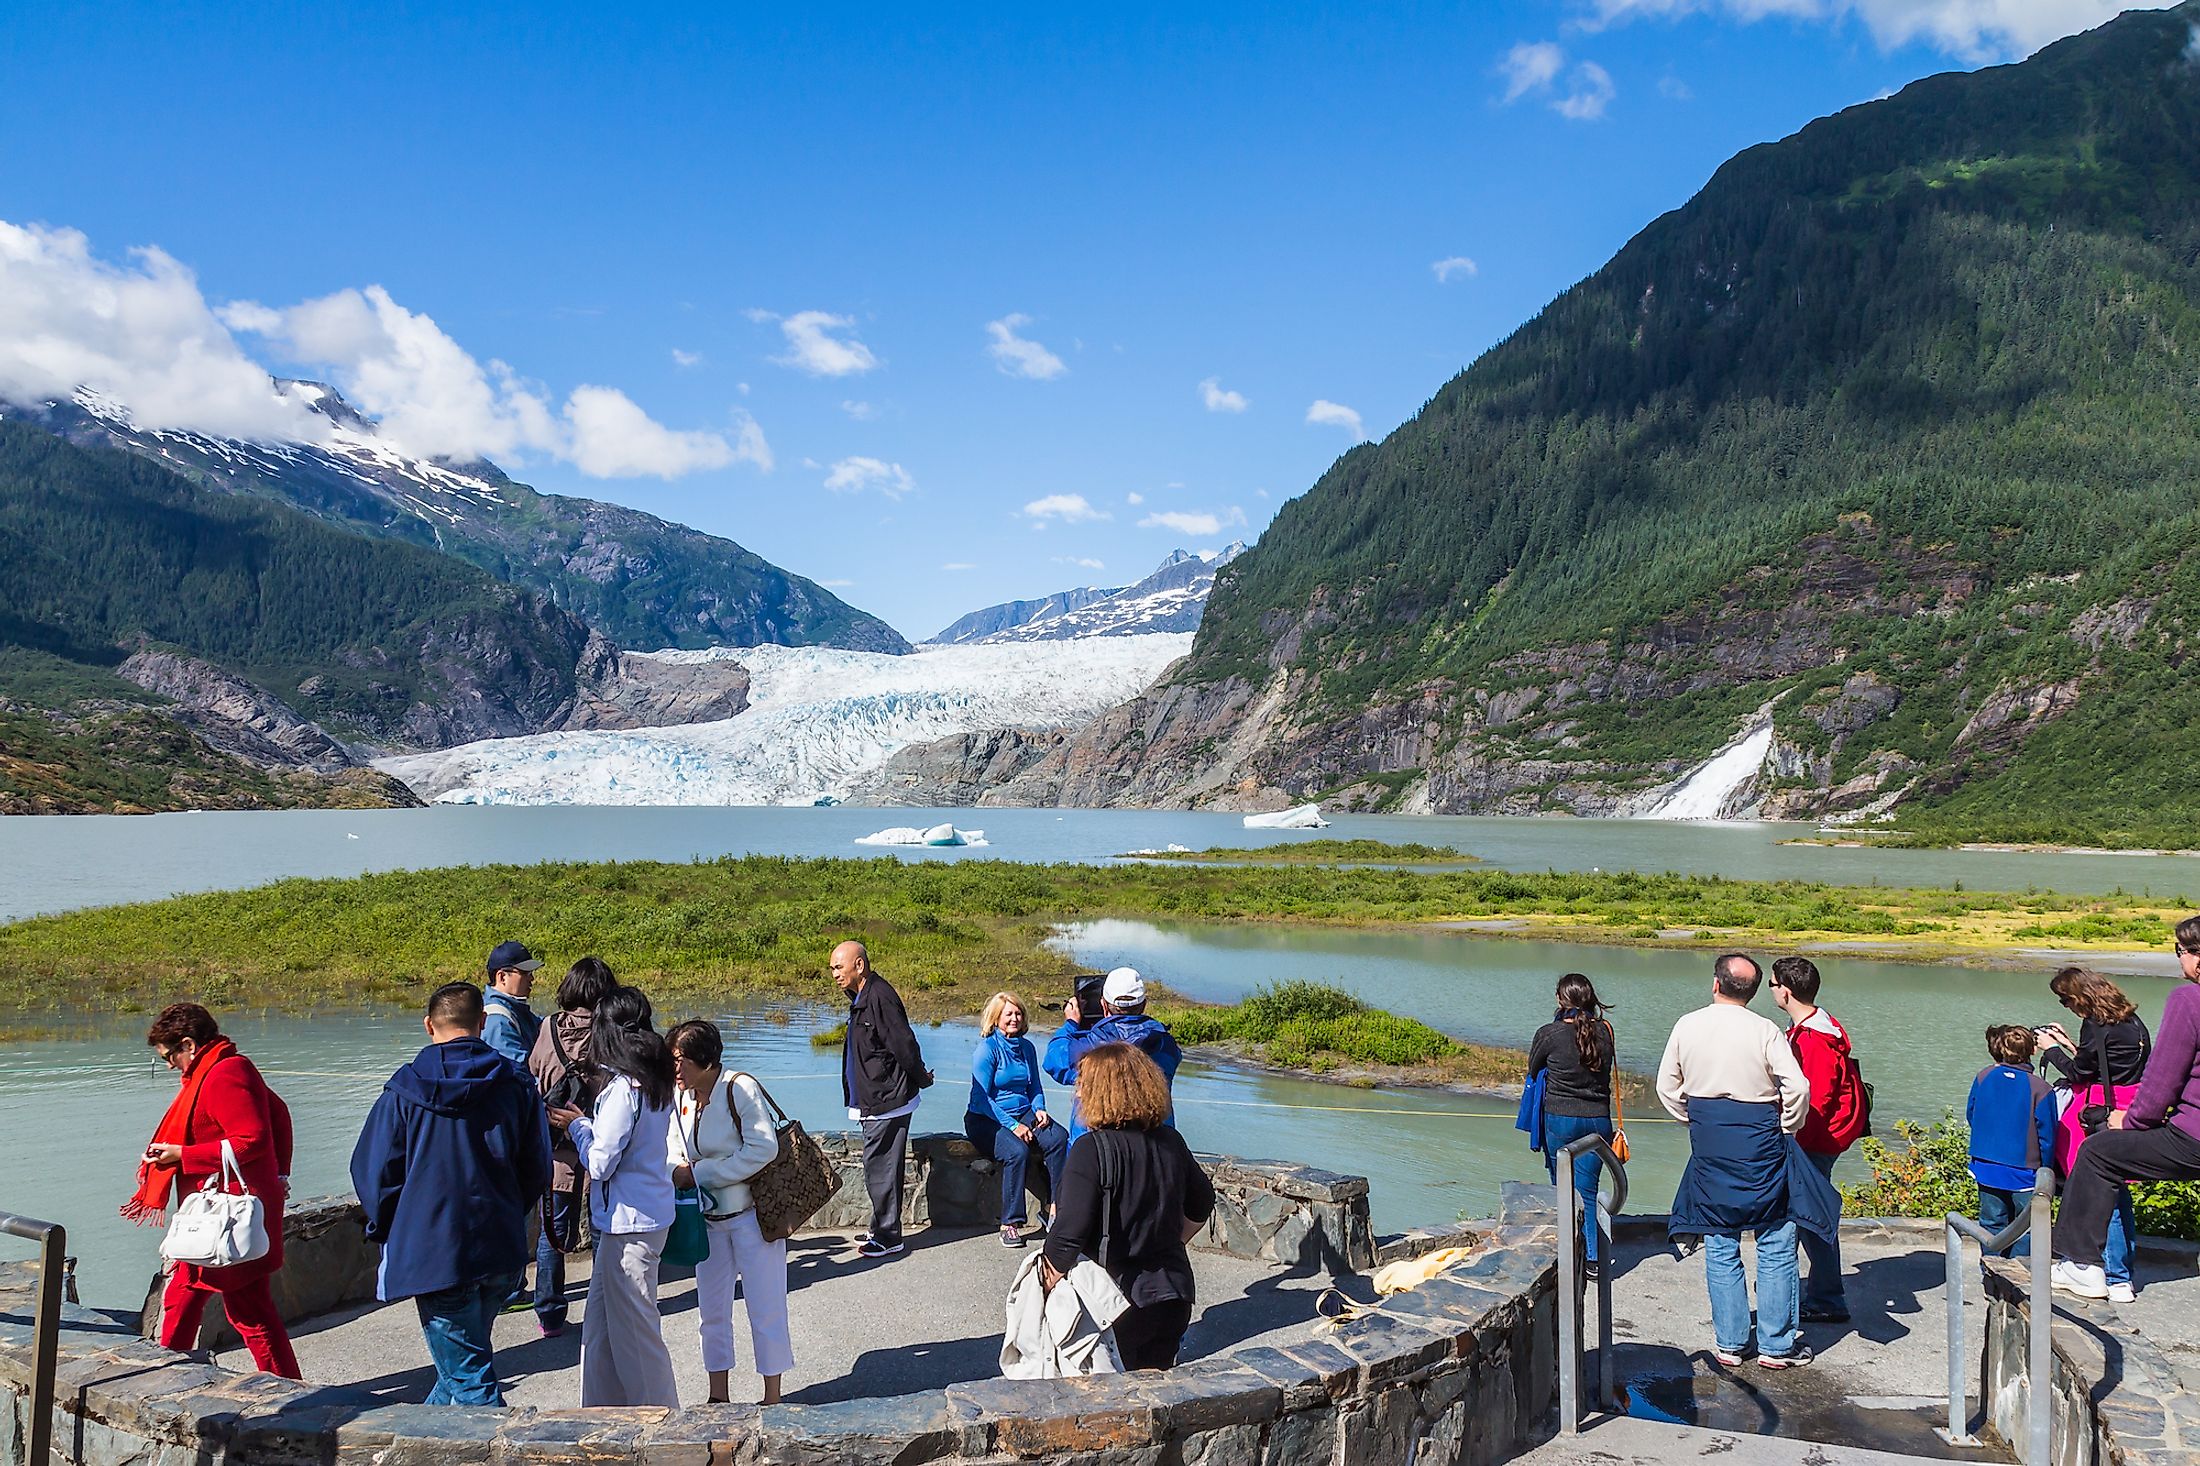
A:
(2163, 1153)
(1148, 1337)
(885, 1149)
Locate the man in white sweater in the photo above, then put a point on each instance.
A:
(1734, 1067)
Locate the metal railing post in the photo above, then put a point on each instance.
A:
(2040, 1395)
(1569, 1297)
(52, 1240)
(1569, 1301)
(2034, 1222)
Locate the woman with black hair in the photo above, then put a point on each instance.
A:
(556, 1066)
(625, 1146)
(1574, 1054)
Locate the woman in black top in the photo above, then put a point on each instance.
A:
(1131, 1179)
(1574, 1054)
(2110, 1031)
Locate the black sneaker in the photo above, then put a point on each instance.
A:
(1795, 1358)
(872, 1247)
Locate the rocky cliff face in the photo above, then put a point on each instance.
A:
(626, 690)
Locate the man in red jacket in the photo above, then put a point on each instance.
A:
(1836, 1117)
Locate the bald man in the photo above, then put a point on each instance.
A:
(881, 1072)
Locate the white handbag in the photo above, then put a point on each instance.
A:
(214, 1227)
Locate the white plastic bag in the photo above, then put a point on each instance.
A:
(214, 1227)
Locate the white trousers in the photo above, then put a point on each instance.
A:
(738, 1250)
(623, 1356)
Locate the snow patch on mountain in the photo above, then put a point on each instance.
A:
(818, 720)
(1172, 598)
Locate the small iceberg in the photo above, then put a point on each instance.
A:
(940, 834)
(1299, 817)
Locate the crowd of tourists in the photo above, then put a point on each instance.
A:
(483, 1154)
(1770, 1109)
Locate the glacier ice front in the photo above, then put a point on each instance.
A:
(1298, 817)
(818, 720)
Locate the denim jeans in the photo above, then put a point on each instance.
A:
(1997, 1209)
(550, 1306)
(1050, 1145)
(1560, 1131)
(456, 1324)
(1776, 1302)
(1822, 1290)
(2123, 1231)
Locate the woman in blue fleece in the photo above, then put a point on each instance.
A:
(2012, 1116)
(1007, 1115)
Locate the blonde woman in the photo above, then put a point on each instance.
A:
(722, 1134)
(1007, 1115)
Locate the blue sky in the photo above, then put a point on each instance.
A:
(955, 262)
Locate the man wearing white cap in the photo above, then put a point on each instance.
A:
(1123, 1004)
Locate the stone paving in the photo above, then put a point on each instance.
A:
(862, 1328)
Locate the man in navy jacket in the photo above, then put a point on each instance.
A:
(455, 1154)
(1124, 1021)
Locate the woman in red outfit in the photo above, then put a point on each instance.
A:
(222, 1098)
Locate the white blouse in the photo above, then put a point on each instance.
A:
(725, 1150)
(625, 1148)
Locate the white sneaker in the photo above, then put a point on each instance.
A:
(2079, 1279)
(2122, 1293)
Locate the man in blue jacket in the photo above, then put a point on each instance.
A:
(511, 1024)
(454, 1157)
(1123, 1021)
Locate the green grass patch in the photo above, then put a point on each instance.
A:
(1324, 852)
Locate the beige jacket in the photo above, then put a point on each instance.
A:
(725, 1147)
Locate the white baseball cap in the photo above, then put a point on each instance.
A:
(1124, 988)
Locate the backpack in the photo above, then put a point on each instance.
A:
(1862, 1086)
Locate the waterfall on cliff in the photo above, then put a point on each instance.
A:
(1704, 794)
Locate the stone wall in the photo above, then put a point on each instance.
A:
(2119, 1398)
(1457, 1372)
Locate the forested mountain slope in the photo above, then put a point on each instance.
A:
(1896, 422)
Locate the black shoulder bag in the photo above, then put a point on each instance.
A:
(2094, 1118)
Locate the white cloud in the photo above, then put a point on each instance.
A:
(686, 358)
(958, 565)
(1064, 509)
(431, 397)
(836, 584)
(1135, 498)
(853, 475)
(1217, 399)
(1591, 92)
(818, 343)
(1971, 30)
(1017, 356)
(1335, 414)
(1452, 265)
(1534, 68)
(1673, 89)
(1082, 562)
(1195, 522)
(1530, 66)
(140, 333)
(860, 411)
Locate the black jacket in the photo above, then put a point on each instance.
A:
(881, 1067)
(2127, 1045)
(1573, 1088)
(1139, 1187)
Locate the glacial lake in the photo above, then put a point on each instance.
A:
(56, 862)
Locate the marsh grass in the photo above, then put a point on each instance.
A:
(1323, 852)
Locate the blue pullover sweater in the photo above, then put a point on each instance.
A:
(1071, 1043)
(2012, 1115)
(1004, 1080)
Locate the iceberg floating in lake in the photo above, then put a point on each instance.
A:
(1298, 817)
(940, 834)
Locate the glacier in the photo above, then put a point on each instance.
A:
(818, 719)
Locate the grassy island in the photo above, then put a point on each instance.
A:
(947, 933)
(1320, 852)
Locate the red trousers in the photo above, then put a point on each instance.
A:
(249, 1306)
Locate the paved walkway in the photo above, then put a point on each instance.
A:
(1879, 1381)
(1629, 1442)
(862, 1328)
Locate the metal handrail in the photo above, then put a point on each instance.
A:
(53, 1241)
(1569, 1299)
(2040, 1389)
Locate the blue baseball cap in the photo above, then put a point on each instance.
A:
(513, 954)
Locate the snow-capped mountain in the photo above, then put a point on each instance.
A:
(641, 581)
(818, 720)
(1170, 599)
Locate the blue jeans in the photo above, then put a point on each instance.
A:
(2123, 1230)
(456, 1324)
(1998, 1208)
(1822, 1290)
(1560, 1131)
(1050, 1143)
(550, 1305)
(1776, 1302)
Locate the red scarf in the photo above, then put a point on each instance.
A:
(156, 1185)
